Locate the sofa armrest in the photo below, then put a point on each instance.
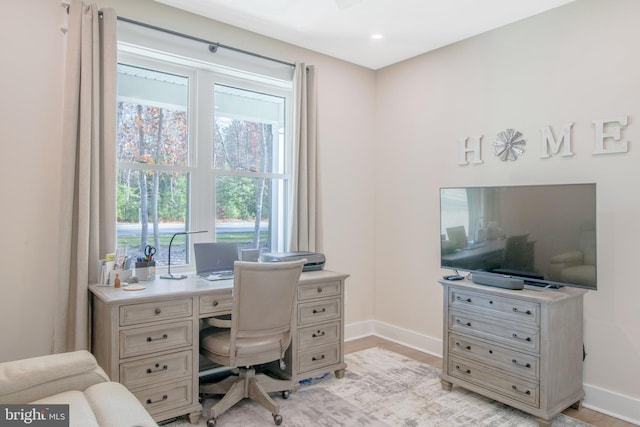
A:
(568, 258)
(26, 380)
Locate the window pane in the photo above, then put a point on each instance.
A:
(151, 206)
(152, 117)
(240, 201)
(248, 130)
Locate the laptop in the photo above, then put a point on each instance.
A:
(214, 261)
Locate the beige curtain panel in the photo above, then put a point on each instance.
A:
(306, 223)
(88, 187)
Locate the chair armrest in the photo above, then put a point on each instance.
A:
(219, 322)
(26, 380)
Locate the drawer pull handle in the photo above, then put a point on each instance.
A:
(319, 311)
(459, 298)
(215, 303)
(149, 401)
(527, 392)
(468, 347)
(315, 359)
(523, 339)
(319, 290)
(163, 337)
(464, 324)
(467, 371)
(524, 365)
(158, 369)
(318, 334)
(517, 310)
(158, 311)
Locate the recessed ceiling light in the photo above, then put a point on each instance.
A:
(376, 36)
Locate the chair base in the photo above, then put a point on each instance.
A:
(247, 385)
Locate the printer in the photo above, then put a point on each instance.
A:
(315, 260)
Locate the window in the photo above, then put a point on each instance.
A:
(454, 210)
(200, 147)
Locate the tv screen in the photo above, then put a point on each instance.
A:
(544, 235)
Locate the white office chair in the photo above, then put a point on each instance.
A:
(259, 332)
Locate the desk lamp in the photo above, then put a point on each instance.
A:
(179, 276)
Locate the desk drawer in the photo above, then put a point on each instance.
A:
(518, 336)
(165, 397)
(139, 341)
(318, 358)
(156, 369)
(508, 308)
(211, 304)
(136, 314)
(486, 352)
(318, 311)
(318, 335)
(511, 387)
(318, 290)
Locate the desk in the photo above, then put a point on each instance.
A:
(148, 340)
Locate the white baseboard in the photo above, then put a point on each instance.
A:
(611, 403)
(605, 401)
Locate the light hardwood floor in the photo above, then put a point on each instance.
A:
(587, 415)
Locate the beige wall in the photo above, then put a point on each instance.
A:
(389, 141)
(575, 64)
(30, 134)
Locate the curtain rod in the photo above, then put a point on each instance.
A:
(213, 46)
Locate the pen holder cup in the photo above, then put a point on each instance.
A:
(146, 270)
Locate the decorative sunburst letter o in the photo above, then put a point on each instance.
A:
(509, 144)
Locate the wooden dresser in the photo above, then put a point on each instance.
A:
(519, 347)
(148, 340)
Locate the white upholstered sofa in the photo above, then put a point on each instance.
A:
(72, 378)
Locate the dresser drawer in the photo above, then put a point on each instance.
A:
(518, 336)
(318, 290)
(165, 397)
(318, 311)
(510, 308)
(212, 304)
(318, 358)
(156, 369)
(510, 361)
(510, 387)
(136, 314)
(139, 341)
(318, 335)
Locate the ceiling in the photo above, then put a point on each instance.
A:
(343, 28)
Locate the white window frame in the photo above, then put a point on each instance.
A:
(203, 76)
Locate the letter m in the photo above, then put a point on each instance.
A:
(548, 141)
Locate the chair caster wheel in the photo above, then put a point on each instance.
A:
(277, 418)
(211, 422)
(285, 394)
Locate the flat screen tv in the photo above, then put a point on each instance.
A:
(543, 235)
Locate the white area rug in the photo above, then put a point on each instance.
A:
(382, 389)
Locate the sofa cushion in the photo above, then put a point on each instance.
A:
(107, 404)
(81, 413)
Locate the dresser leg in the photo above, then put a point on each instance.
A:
(339, 373)
(577, 405)
(543, 423)
(194, 417)
(446, 385)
